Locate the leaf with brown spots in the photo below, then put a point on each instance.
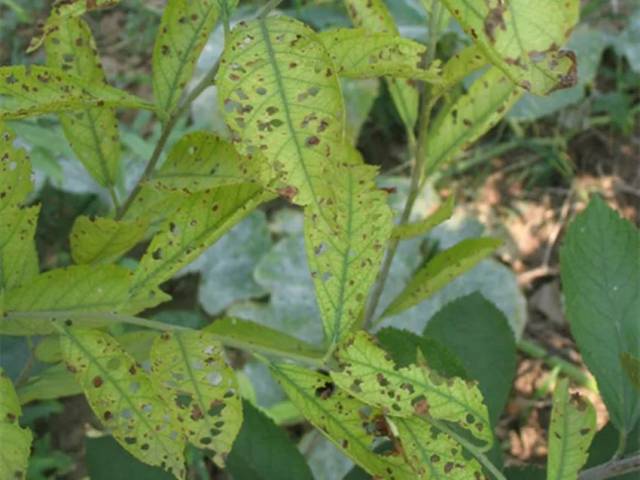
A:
(15, 171)
(573, 425)
(189, 372)
(18, 255)
(120, 393)
(16, 441)
(460, 65)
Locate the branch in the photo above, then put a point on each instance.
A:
(612, 469)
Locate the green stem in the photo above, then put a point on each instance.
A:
(622, 446)
(612, 469)
(266, 10)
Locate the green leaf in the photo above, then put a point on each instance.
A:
(441, 269)
(104, 240)
(467, 326)
(359, 53)
(202, 160)
(197, 223)
(345, 242)
(189, 373)
(523, 39)
(263, 451)
(350, 424)
(121, 395)
(631, 366)
(15, 171)
(82, 294)
(280, 95)
(35, 90)
(460, 65)
(252, 336)
(600, 267)
(50, 384)
(16, 441)
(18, 256)
(183, 32)
(93, 132)
(418, 229)
(368, 373)
(573, 425)
(464, 120)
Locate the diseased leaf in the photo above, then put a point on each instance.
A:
(368, 373)
(80, 295)
(351, 425)
(16, 441)
(460, 65)
(183, 32)
(523, 38)
(600, 267)
(122, 397)
(573, 425)
(440, 270)
(26, 91)
(359, 53)
(92, 132)
(202, 160)
(50, 384)
(15, 171)
(104, 240)
(198, 222)
(280, 95)
(189, 373)
(440, 215)
(345, 242)
(470, 116)
(18, 256)
(631, 366)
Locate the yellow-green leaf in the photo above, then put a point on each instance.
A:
(18, 256)
(15, 171)
(345, 238)
(280, 95)
(470, 116)
(411, 230)
(49, 384)
(351, 425)
(523, 38)
(121, 395)
(104, 240)
(35, 90)
(460, 65)
(93, 132)
(369, 374)
(359, 53)
(442, 269)
(573, 425)
(189, 372)
(183, 32)
(16, 441)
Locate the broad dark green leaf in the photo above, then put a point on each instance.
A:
(605, 444)
(16, 441)
(631, 366)
(600, 267)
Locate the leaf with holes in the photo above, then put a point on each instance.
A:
(368, 373)
(202, 160)
(358, 53)
(18, 256)
(27, 91)
(87, 295)
(523, 39)
(470, 116)
(189, 372)
(104, 240)
(183, 32)
(354, 427)
(15, 171)
(440, 270)
(16, 441)
(280, 95)
(198, 222)
(418, 229)
(573, 425)
(345, 239)
(92, 132)
(121, 395)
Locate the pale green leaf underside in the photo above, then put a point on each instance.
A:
(121, 395)
(16, 441)
(35, 90)
(104, 240)
(189, 373)
(442, 269)
(573, 425)
(15, 171)
(367, 372)
(523, 38)
(280, 95)
(347, 422)
(49, 384)
(470, 116)
(18, 256)
(417, 229)
(93, 132)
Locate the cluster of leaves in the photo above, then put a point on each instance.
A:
(427, 412)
